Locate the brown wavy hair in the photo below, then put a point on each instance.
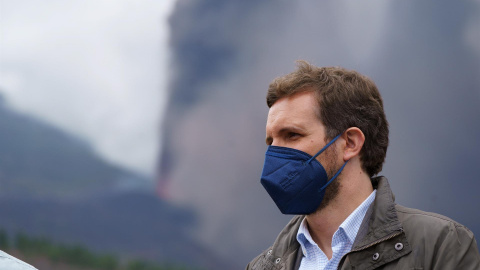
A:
(346, 99)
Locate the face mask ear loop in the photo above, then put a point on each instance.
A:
(323, 149)
(335, 176)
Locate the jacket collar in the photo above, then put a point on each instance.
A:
(381, 238)
(381, 219)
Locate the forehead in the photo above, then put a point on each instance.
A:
(298, 109)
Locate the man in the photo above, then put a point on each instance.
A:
(328, 137)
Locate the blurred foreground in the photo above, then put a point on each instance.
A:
(44, 254)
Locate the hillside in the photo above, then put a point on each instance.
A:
(53, 185)
(37, 159)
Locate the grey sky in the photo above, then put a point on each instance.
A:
(95, 68)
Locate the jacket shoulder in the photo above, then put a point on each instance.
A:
(9, 262)
(446, 243)
(254, 263)
(283, 251)
(418, 218)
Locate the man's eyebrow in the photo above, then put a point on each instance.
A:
(290, 128)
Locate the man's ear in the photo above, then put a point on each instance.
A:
(354, 140)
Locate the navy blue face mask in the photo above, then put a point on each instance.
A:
(295, 180)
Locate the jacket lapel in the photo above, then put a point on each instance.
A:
(381, 234)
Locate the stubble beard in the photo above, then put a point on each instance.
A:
(332, 190)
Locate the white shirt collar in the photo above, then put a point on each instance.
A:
(349, 226)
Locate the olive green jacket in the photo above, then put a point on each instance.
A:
(390, 237)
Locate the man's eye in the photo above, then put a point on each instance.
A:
(292, 135)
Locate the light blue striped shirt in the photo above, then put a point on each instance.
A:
(342, 241)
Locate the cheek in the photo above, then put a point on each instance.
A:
(312, 147)
(331, 157)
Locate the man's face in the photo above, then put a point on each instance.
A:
(293, 122)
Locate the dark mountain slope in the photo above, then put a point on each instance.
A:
(37, 159)
(53, 185)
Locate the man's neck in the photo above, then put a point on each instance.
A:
(325, 222)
